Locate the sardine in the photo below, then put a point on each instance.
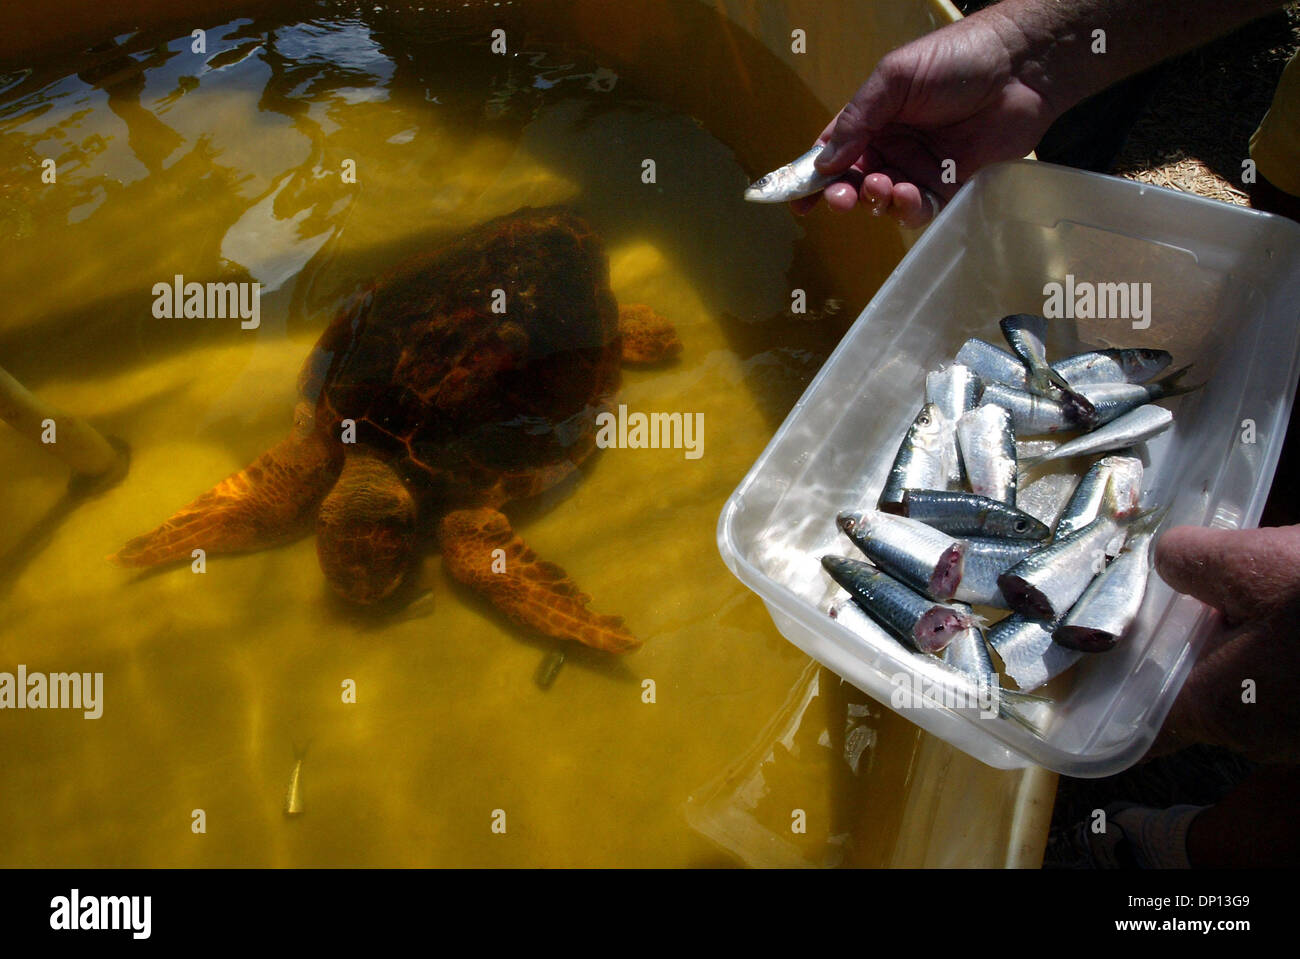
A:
(966, 514)
(1085, 501)
(1026, 334)
(1028, 653)
(921, 556)
(968, 654)
(1046, 584)
(1111, 603)
(983, 561)
(920, 623)
(922, 461)
(795, 179)
(1112, 400)
(988, 452)
(992, 364)
(1031, 414)
(1130, 429)
(953, 391)
(293, 804)
(549, 669)
(1112, 366)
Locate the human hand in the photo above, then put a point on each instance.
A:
(962, 93)
(1253, 577)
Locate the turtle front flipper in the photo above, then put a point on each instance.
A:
(269, 502)
(530, 591)
(647, 337)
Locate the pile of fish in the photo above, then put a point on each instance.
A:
(947, 536)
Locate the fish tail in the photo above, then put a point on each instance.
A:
(1147, 520)
(1172, 384)
(1029, 462)
(1007, 711)
(1016, 696)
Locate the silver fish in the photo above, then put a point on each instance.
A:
(1046, 584)
(795, 179)
(1110, 604)
(953, 391)
(1112, 400)
(1112, 366)
(1130, 429)
(1027, 652)
(948, 679)
(920, 623)
(983, 561)
(1027, 334)
(1085, 501)
(968, 654)
(966, 514)
(988, 452)
(293, 804)
(1031, 414)
(922, 461)
(992, 364)
(921, 556)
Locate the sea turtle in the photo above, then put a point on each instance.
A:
(463, 379)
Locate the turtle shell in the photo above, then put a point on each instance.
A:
(480, 367)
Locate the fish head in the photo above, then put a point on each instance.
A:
(1014, 524)
(771, 187)
(851, 522)
(1140, 363)
(930, 425)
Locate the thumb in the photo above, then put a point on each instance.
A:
(1244, 573)
(877, 102)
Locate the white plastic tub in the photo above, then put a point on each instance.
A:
(1225, 289)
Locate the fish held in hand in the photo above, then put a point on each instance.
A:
(967, 514)
(796, 179)
(923, 460)
(920, 623)
(987, 443)
(919, 555)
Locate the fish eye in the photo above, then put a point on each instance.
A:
(1021, 526)
(763, 180)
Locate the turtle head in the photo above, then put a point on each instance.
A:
(366, 530)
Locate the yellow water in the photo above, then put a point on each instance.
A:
(227, 165)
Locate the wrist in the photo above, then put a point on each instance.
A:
(1051, 52)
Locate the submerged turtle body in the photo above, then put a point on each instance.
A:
(461, 380)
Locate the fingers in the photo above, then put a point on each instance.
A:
(1245, 573)
(875, 104)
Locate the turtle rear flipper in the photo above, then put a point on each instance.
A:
(532, 592)
(271, 501)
